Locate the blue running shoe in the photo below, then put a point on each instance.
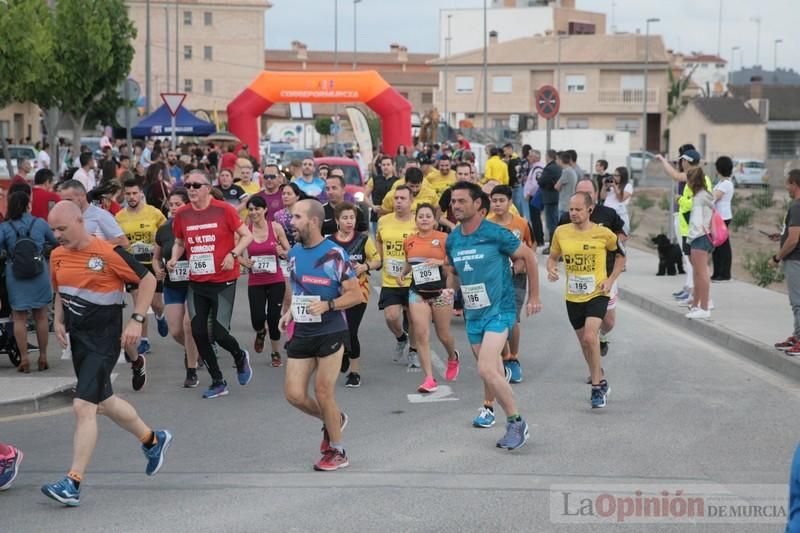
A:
(163, 328)
(516, 435)
(63, 491)
(9, 466)
(485, 418)
(144, 346)
(515, 369)
(156, 454)
(216, 390)
(244, 370)
(599, 397)
(680, 294)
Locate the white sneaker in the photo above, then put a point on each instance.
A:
(698, 313)
(413, 362)
(685, 303)
(400, 350)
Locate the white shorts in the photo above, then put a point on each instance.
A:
(613, 296)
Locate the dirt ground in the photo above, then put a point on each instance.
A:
(653, 220)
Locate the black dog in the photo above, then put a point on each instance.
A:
(670, 259)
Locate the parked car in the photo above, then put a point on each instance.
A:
(638, 161)
(18, 151)
(750, 172)
(291, 155)
(337, 149)
(275, 150)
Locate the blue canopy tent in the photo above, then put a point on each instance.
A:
(159, 122)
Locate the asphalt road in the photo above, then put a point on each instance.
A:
(681, 413)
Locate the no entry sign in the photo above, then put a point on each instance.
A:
(547, 101)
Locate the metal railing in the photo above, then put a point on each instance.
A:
(626, 96)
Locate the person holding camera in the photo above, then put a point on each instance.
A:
(616, 193)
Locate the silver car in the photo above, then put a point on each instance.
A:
(18, 151)
(750, 172)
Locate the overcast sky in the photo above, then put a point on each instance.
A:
(686, 25)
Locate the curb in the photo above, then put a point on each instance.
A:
(717, 333)
(54, 398)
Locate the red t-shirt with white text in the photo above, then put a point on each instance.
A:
(208, 236)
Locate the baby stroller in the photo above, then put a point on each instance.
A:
(8, 345)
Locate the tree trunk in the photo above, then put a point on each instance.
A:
(51, 117)
(77, 131)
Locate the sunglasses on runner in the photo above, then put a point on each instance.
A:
(195, 185)
(270, 176)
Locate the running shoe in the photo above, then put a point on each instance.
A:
(276, 359)
(589, 379)
(325, 445)
(413, 362)
(156, 454)
(794, 350)
(603, 346)
(598, 398)
(516, 435)
(332, 459)
(507, 372)
(191, 381)
(353, 380)
(453, 367)
(243, 370)
(513, 366)
(399, 350)
(161, 323)
(485, 418)
(139, 369)
(32, 348)
(683, 293)
(63, 491)
(9, 466)
(429, 385)
(698, 313)
(258, 345)
(788, 343)
(216, 390)
(144, 346)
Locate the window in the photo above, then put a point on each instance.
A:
(576, 83)
(427, 98)
(208, 53)
(578, 123)
(720, 65)
(500, 123)
(187, 52)
(5, 127)
(187, 18)
(208, 86)
(187, 86)
(208, 18)
(465, 84)
(628, 124)
(501, 84)
(404, 95)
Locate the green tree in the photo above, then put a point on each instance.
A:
(26, 52)
(323, 125)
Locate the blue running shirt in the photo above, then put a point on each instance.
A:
(483, 258)
(318, 271)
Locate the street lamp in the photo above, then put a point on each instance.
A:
(775, 54)
(446, 73)
(336, 67)
(733, 54)
(355, 33)
(644, 107)
(757, 20)
(485, 72)
(558, 75)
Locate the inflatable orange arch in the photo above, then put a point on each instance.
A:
(366, 86)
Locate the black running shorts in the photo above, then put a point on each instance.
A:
(393, 296)
(94, 355)
(318, 345)
(579, 312)
(130, 287)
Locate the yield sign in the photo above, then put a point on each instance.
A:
(173, 101)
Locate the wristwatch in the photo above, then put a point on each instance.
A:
(138, 318)
(331, 305)
(776, 259)
(234, 254)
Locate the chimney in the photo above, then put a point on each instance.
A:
(394, 47)
(302, 51)
(492, 37)
(756, 87)
(402, 56)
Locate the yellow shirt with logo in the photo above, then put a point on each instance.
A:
(391, 234)
(426, 195)
(439, 182)
(496, 169)
(140, 229)
(584, 254)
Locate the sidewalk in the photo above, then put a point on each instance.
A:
(746, 319)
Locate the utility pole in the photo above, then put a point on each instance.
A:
(446, 73)
(355, 33)
(166, 42)
(177, 47)
(147, 71)
(336, 67)
(644, 107)
(485, 71)
(719, 30)
(757, 20)
(775, 55)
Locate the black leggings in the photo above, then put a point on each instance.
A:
(722, 259)
(265, 305)
(213, 300)
(354, 316)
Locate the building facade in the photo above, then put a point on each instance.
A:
(600, 78)
(20, 123)
(214, 62)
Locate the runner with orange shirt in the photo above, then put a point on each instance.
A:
(428, 296)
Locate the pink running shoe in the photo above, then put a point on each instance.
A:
(452, 368)
(429, 385)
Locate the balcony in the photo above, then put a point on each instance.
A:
(627, 96)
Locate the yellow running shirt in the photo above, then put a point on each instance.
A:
(140, 229)
(584, 254)
(440, 183)
(392, 233)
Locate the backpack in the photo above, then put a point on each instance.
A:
(27, 260)
(719, 231)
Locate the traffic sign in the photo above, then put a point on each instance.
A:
(173, 101)
(129, 90)
(547, 101)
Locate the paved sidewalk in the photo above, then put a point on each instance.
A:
(746, 319)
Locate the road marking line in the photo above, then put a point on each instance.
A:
(442, 394)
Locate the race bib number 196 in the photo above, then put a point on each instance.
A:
(475, 296)
(300, 311)
(202, 264)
